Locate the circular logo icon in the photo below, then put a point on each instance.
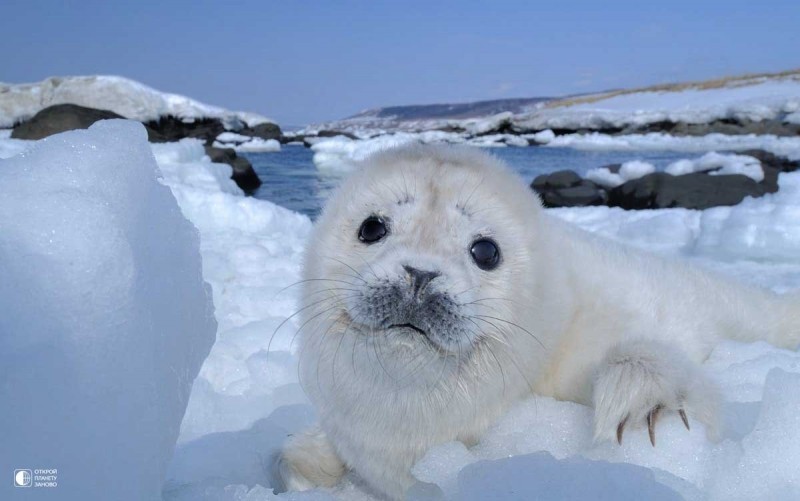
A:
(22, 478)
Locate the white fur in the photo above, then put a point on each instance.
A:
(564, 311)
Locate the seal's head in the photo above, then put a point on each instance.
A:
(414, 270)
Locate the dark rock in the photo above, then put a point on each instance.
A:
(309, 140)
(766, 158)
(770, 182)
(264, 131)
(558, 179)
(584, 194)
(691, 191)
(565, 188)
(170, 128)
(722, 126)
(60, 118)
(334, 133)
(243, 174)
(612, 168)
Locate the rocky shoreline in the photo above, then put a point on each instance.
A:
(661, 190)
(656, 190)
(63, 117)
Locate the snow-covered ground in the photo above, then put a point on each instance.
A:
(123, 96)
(242, 143)
(246, 398)
(756, 99)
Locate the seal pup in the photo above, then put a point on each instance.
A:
(437, 293)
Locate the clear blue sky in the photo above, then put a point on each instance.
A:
(300, 62)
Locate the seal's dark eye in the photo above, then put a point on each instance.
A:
(372, 229)
(485, 253)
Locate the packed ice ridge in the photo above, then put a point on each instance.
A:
(106, 315)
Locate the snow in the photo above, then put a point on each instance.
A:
(742, 465)
(251, 251)
(97, 355)
(633, 169)
(242, 143)
(340, 153)
(541, 137)
(720, 164)
(246, 399)
(781, 146)
(754, 100)
(717, 164)
(478, 126)
(756, 241)
(11, 147)
(123, 96)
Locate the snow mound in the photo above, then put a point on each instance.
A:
(633, 169)
(716, 164)
(106, 316)
(123, 96)
(720, 164)
(240, 142)
(541, 137)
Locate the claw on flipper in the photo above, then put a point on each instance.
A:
(652, 417)
(683, 417)
(620, 429)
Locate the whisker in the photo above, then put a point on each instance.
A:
(312, 280)
(342, 262)
(514, 325)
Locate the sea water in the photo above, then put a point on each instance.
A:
(291, 179)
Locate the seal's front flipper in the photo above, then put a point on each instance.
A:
(640, 380)
(309, 461)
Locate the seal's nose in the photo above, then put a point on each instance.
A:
(419, 279)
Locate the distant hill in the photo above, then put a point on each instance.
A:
(450, 111)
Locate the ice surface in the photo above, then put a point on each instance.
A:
(246, 400)
(238, 415)
(106, 317)
(123, 96)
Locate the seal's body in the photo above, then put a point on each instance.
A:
(437, 293)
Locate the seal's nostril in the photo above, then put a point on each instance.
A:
(419, 278)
